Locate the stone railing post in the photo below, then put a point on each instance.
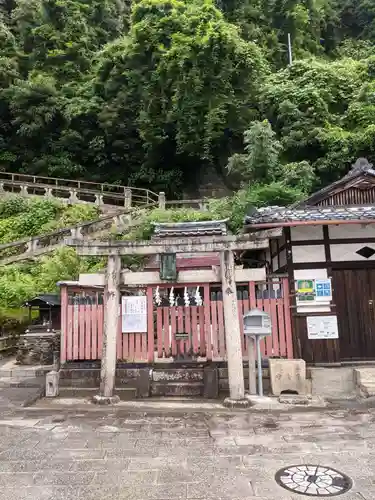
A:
(48, 192)
(127, 198)
(73, 196)
(98, 200)
(76, 233)
(32, 245)
(161, 199)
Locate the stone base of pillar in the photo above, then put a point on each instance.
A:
(105, 400)
(236, 403)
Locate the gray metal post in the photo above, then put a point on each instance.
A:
(260, 375)
(252, 370)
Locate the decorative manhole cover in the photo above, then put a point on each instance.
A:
(313, 480)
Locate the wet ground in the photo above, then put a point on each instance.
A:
(113, 453)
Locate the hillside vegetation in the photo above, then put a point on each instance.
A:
(152, 92)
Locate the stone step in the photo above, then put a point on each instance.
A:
(125, 394)
(176, 388)
(365, 380)
(22, 381)
(25, 372)
(94, 382)
(177, 374)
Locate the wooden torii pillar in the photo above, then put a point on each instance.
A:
(225, 245)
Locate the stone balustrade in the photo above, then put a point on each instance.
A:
(28, 248)
(70, 191)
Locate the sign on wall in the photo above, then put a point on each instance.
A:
(316, 290)
(323, 290)
(134, 314)
(305, 290)
(322, 327)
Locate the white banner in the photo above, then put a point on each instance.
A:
(134, 314)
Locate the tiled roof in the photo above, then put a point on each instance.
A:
(310, 214)
(361, 168)
(190, 229)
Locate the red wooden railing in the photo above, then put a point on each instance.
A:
(194, 331)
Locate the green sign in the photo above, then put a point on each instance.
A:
(305, 290)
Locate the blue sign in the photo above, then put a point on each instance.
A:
(323, 289)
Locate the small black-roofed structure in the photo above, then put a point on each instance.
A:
(48, 305)
(42, 336)
(46, 299)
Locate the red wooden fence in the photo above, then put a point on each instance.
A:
(193, 331)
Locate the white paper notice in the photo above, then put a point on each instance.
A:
(322, 327)
(134, 314)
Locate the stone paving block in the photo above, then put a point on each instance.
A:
(59, 478)
(79, 454)
(127, 478)
(135, 492)
(155, 463)
(177, 474)
(29, 493)
(21, 479)
(18, 454)
(99, 465)
(226, 489)
(119, 453)
(216, 462)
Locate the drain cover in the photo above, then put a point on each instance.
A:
(313, 480)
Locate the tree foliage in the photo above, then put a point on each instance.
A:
(152, 92)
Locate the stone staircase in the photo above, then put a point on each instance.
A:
(141, 381)
(30, 248)
(120, 203)
(177, 381)
(84, 382)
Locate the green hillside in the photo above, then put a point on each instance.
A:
(153, 92)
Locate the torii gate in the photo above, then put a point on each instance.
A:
(225, 245)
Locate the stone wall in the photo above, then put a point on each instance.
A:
(224, 385)
(37, 348)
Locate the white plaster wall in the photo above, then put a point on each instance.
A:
(310, 274)
(347, 251)
(306, 233)
(352, 231)
(308, 253)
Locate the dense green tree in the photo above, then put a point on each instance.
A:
(152, 92)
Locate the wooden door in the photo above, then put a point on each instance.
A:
(354, 296)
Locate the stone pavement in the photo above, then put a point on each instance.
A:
(113, 454)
